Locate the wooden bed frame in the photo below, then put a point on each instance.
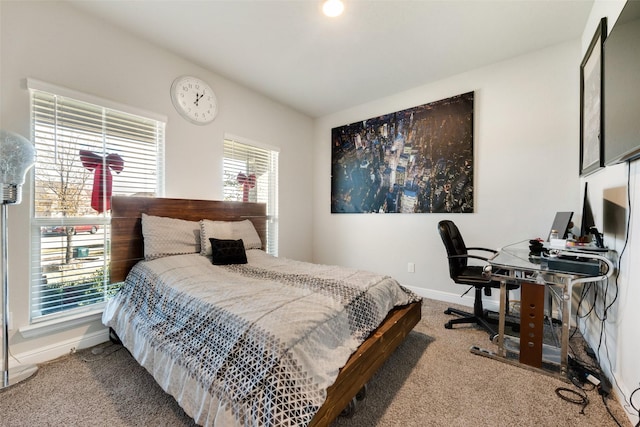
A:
(127, 249)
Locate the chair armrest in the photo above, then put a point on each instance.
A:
(469, 256)
(483, 249)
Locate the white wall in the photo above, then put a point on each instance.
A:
(618, 351)
(58, 44)
(525, 142)
(526, 158)
(526, 168)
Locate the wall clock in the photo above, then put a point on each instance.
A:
(194, 99)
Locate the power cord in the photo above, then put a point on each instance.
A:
(604, 387)
(581, 374)
(629, 401)
(637, 409)
(606, 405)
(102, 352)
(578, 397)
(570, 396)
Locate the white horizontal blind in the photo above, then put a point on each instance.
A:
(84, 151)
(250, 174)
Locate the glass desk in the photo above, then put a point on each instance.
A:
(547, 278)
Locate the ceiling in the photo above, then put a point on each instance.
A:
(290, 52)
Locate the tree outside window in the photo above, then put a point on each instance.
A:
(85, 153)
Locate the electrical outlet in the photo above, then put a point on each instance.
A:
(411, 267)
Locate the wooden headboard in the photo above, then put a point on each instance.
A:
(127, 246)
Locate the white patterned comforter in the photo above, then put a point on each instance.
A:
(252, 344)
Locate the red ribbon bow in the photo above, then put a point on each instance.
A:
(102, 166)
(247, 182)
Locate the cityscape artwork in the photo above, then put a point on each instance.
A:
(418, 160)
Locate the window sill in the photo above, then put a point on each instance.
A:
(48, 326)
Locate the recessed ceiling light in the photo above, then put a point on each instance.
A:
(333, 8)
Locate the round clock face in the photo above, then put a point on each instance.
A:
(194, 99)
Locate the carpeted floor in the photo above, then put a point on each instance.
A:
(431, 380)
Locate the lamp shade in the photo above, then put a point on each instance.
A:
(17, 155)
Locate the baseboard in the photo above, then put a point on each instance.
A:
(62, 348)
(467, 300)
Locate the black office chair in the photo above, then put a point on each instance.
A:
(464, 274)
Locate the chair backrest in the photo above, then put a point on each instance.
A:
(454, 244)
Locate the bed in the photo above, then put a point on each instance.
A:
(183, 351)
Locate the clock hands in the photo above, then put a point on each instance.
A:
(198, 98)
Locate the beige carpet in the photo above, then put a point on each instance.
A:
(431, 380)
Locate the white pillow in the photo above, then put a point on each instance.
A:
(165, 236)
(228, 230)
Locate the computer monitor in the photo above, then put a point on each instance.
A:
(587, 214)
(561, 224)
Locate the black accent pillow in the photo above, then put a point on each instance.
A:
(224, 252)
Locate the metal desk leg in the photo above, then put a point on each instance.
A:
(502, 317)
(566, 321)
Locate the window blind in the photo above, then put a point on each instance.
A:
(250, 174)
(85, 153)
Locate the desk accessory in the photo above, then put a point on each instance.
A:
(599, 243)
(536, 247)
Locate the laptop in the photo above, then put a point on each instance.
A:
(561, 224)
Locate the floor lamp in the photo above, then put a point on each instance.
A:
(17, 155)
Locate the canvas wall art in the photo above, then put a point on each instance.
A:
(591, 113)
(418, 160)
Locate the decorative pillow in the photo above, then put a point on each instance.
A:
(226, 251)
(165, 236)
(228, 230)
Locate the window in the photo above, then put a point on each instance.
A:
(250, 174)
(86, 150)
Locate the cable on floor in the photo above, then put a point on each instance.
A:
(578, 397)
(637, 409)
(101, 353)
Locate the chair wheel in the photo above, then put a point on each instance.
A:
(447, 311)
(448, 325)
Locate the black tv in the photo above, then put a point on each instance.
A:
(621, 92)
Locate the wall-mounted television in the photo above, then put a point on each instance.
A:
(621, 100)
